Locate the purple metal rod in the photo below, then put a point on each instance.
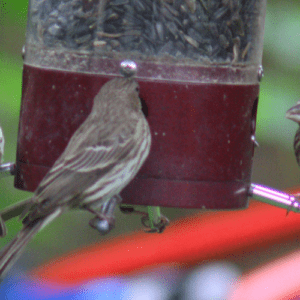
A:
(274, 197)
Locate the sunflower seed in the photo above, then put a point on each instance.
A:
(203, 30)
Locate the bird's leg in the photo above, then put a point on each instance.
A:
(104, 221)
(154, 220)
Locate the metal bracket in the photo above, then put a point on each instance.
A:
(7, 169)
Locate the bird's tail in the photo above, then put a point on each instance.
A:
(11, 252)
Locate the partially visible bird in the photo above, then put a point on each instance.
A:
(101, 158)
(294, 114)
(1, 144)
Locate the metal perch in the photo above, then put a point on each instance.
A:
(274, 197)
(256, 191)
(7, 169)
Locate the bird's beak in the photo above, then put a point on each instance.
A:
(294, 113)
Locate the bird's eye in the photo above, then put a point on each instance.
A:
(137, 89)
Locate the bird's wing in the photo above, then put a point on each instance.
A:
(97, 156)
(100, 153)
(73, 170)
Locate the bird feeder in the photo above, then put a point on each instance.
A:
(198, 66)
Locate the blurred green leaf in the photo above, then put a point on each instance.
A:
(10, 84)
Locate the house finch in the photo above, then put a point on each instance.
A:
(101, 158)
(294, 114)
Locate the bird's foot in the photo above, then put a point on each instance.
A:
(102, 224)
(154, 221)
(155, 227)
(104, 221)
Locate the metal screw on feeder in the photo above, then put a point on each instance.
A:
(260, 73)
(23, 52)
(128, 68)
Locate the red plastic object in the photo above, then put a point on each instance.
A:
(277, 280)
(201, 154)
(185, 242)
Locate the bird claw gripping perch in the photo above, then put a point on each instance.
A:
(157, 221)
(275, 197)
(154, 221)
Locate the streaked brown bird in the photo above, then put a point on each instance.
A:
(101, 158)
(294, 114)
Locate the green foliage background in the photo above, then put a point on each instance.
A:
(274, 162)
